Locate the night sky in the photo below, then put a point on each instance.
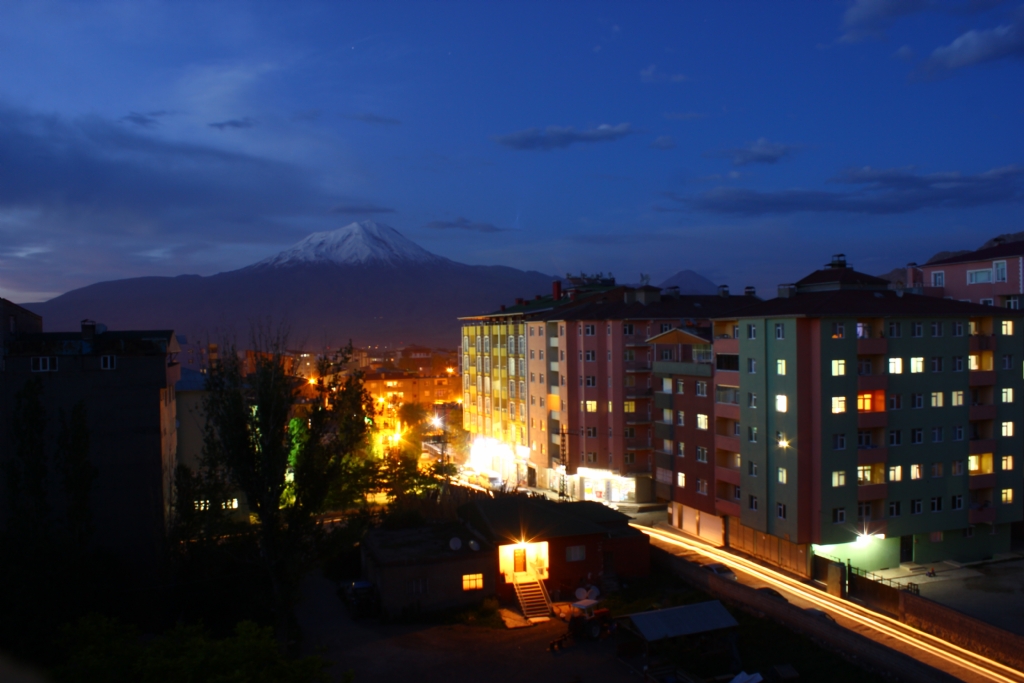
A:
(745, 140)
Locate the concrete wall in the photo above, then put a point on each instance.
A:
(431, 586)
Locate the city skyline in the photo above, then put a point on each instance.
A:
(747, 145)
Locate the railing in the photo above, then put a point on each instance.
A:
(727, 395)
(909, 586)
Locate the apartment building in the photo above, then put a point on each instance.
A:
(993, 276)
(560, 390)
(126, 380)
(867, 424)
(15, 320)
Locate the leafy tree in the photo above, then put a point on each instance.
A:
(288, 474)
(27, 473)
(77, 474)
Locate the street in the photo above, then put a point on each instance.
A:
(926, 648)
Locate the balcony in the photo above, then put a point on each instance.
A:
(981, 378)
(868, 347)
(729, 411)
(982, 446)
(872, 382)
(663, 460)
(728, 395)
(727, 345)
(982, 481)
(985, 412)
(866, 492)
(638, 392)
(638, 419)
(727, 474)
(872, 420)
(984, 515)
(727, 443)
(981, 342)
(871, 456)
(637, 444)
(637, 366)
(727, 508)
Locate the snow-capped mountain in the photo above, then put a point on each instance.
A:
(357, 243)
(364, 282)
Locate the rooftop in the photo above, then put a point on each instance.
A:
(666, 307)
(99, 341)
(517, 518)
(424, 543)
(1005, 250)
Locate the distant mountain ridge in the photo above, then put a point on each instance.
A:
(690, 282)
(365, 282)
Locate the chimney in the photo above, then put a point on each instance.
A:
(629, 295)
(911, 275)
(537, 298)
(723, 290)
(503, 307)
(556, 290)
(838, 261)
(672, 292)
(749, 291)
(88, 329)
(519, 301)
(787, 291)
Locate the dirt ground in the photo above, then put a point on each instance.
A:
(446, 653)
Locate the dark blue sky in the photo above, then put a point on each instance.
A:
(745, 140)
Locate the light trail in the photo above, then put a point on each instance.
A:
(946, 651)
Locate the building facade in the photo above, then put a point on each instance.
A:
(993, 276)
(868, 424)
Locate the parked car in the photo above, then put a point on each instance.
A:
(360, 597)
(772, 593)
(815, 612)
(721, 570)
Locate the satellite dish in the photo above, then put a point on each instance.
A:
(473, 545)
(593, 592)
(455, 543)
(581, 593)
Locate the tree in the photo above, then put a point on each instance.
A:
(77, 475)
(287, 472)
(27, 473)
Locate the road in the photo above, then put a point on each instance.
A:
(924, 647)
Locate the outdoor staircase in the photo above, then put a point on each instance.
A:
(533, 599)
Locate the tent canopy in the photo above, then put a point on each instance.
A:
(682, 621)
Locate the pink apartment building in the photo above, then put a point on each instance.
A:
(992, 276)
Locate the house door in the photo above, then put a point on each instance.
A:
(531, 477)
(518, 560)
(906, 548)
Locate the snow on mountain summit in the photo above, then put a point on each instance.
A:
(365, 242)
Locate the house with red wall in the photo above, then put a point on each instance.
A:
(992, 276)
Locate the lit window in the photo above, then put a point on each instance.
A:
(1007, 394)
(895, 473)
(1007, 495)
(838, 404)
(956, 398)
(629, 406)
(1007, 328)
(591, 406)
(780, 367)
(839, 478)
(472, 582)
(936, 399)
(1007, 429)
(1007, 462)
(864, 474)
(838, 330)
(864, 402)
(666, 445)
(915, 471)
(782, 475)
(781, 403)
(917, 365)
(974, 362)
(702, 421)
(895, 366)
(838, 368)
(681, 479)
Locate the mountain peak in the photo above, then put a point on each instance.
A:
(364, 242)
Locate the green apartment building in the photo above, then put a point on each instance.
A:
(873, 425)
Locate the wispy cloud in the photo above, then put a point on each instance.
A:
(464, 224)
(367, 117)
(361, 209)
(976, 47)
(233, 123)
(145, 120)
(557, 137)
(871, 18)
(663, 142)
(652, 75)
(880, 192)
(760, 152)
